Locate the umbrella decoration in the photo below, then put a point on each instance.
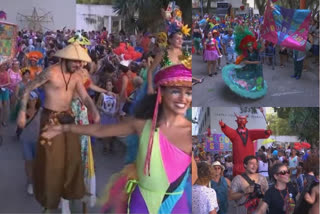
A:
(302, 145)
(269, 140)
(127, 51)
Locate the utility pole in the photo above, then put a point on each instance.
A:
(202, 8)
(302, 4)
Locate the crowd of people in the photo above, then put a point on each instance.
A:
(215, 38)
(66, 84)
(276, 180)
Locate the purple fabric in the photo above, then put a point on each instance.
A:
(182, 205)
(211, 55)
(107, 120)
(137, 204)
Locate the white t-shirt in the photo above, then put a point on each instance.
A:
(263, 168)
(109, 103)
(204, 200)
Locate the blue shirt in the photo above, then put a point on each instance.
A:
(228, 41)
(221, 189)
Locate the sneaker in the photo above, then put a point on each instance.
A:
(293, 76)
(30, 189)
(65, 208)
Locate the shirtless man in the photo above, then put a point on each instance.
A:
(58, 170)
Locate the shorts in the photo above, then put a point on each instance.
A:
(4, 94)
(29, 150)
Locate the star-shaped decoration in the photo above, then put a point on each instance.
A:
(35, 21)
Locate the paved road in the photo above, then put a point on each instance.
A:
(283, 91)
(14, 198)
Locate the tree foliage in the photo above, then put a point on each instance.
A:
(149, 14)
(279, 126)
(304, 122)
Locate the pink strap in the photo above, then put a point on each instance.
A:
(153, 127)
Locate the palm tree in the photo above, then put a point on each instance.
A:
(149, 15)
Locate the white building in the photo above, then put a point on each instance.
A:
(57, 14)
(210, 117)
(94, 17)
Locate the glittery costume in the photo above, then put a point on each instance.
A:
(245, 80)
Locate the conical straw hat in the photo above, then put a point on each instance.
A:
(74, 52)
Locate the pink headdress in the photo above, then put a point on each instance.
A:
(175, 75)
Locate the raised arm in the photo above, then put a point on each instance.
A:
(86, 99)
(153, 66)
(39, 80)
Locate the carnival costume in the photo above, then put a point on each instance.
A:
(242, 141)
(163, 182)
(58, 169)
(211, 52)
(34, 70)
(245, 80)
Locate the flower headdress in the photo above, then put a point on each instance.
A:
(34, 55)
(173, 17)
(243, 38)
(127, 52)
(175, 75)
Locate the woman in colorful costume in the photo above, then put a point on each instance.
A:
(159, 181)
(246, 80)
(173, 53)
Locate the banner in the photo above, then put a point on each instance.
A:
(8, 38)
(286, 27)
(218, 143)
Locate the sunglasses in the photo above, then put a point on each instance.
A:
(283, 172)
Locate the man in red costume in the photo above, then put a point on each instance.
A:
(242, 141)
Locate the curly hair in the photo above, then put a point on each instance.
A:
(204, 173)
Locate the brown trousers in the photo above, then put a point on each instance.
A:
(58, 170)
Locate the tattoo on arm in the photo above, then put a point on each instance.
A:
(40, 79)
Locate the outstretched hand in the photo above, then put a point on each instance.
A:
(51, 131)
(269, 132)
(221, 123)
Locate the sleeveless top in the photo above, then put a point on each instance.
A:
(211, 44)
(221, 189)
(109, 103)
(169, 174)
(130, 86)
(15, 78)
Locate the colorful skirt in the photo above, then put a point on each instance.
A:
(81, 117)
(246, 81)
(211, 55)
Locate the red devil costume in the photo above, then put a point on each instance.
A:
(242, 141)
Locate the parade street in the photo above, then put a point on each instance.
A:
(282, 89)
(14, 197)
